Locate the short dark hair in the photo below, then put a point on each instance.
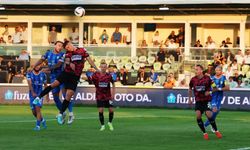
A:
(65, 44)
(59, 42)
(200, 66)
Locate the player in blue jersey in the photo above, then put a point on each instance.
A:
(36, 80)
(55, 63)
(219, 85)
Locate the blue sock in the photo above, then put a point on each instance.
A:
(58, 102)
(38, 122)
(207, 123)
(70, 107)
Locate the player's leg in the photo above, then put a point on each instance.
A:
(70, 107)
(213, 107)
(38, 118)
(209, 114)
(101, 115)
(111, 115)
(199, 109)
(32, 107)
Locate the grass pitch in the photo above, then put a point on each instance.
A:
(135, 129)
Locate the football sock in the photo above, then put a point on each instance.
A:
(111, 116)
(38, 122)
(70, 107)
(45, 91)
(58, 102)
(201, 125)
(65, 105)
(213, 124)
(214, 115)
(101, 118)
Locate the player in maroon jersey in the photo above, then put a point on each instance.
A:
(74, 60)
(200, 85)
(104, 94)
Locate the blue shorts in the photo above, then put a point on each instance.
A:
(216, 99)
(34, 103)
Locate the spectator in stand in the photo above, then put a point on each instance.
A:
(2, 40)
(24, 55)
(52, 35)
(113, 73)
(143, 48)
(172, 44)
(104, 42)
(154, 77)
(228, 41)
(245, 83)
(161, 55)
(239, 57)
(219, 58)
(198, 44)
(238, 41)
(142, 75)
(169, 84)
(156, 39)
(229, 71)
(123, 76)
(176, 53)
(232, 83)
(116, 36)
(229, 57)
(74, 36)
(104, 36)
(235, 65)
(11, 71)
(210, 43)
(9, 40)
(210, 71)
(2, 64)
(239, 82)
(17, 35)
(181, 37)
(5, 34)
(183, 83)
(24, 34)
(246, 60)
(172, 36)
(93, 42)
(172, 77)
(127, 36)
(237, 77)
(223, 45)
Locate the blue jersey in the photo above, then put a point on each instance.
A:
(53, 59)
(37, 81)
(218, 95)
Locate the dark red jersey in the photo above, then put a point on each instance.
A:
(200, 86)
(78, 58)
(102, 84)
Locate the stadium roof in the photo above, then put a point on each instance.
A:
(125, 7)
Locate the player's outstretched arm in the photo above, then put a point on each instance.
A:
(91, 62)
(113, 91)
(190, 96)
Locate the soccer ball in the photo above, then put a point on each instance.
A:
(79, 11)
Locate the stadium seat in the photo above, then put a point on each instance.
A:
(166, 67)
(119, 65)
(245, 69)
(128, 66)
(151, 60)
(116, 60)
(125, 59)
(136, 66)
(148, 84)
(142, 65)
(108, 59)
(139, 84)
(142, 59)
(162, 79)
(134, 59)
(157, 66)
(248, 74)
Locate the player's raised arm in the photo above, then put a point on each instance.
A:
(91, 62)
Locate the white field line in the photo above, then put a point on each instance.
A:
(243, 148)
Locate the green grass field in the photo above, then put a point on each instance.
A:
(135, 129)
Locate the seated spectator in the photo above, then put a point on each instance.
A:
(172, 44)
(237, 77)
(11, 71)
(176, 53)
(24, 55)
(210, 71)
(210, 43)
(116, 36)
(17, 36)
(127, 36)
(183, 83)
(198, 44)
(104, 36)
(172, 77)
(161, 55)
(156, 39)
(9, 40)
(113, 73)
(21, 73)
(228, 41)
(93, 42)
(245, 83)
(229, 72)
(232, 83)
(239, 57)
(239, 82)
(229, 57)
(143, 48)
(223, 45)
(142, 76)
(246, 60)
(74, 36)
(172, 36)
(5, 34)
(154, 77)
(219, 58)
(104, 41)
(2, 40)
(180, 40)
(169, 84)
(123, 76)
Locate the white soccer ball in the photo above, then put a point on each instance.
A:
(79, 11)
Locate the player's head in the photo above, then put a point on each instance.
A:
(199, 70)
(103, 66)
(37, 68)
(68, 46)
(218, 70)
(58, 46)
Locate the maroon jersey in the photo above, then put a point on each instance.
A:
(102, 84)
(78, 58)
(200, 86)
